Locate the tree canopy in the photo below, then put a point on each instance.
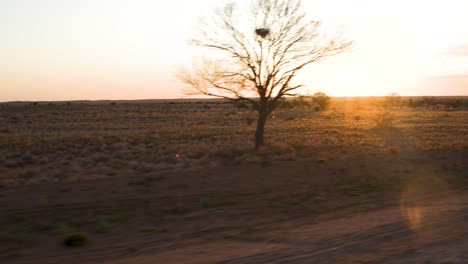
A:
(259, 49)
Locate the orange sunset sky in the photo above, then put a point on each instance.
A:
(130, 49)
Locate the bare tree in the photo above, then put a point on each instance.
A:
(260, 49)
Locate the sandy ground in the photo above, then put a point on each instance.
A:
(287, 212)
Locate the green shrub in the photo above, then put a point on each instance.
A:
(148, 229)
(76, 240)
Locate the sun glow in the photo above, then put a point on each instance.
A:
(353, 80)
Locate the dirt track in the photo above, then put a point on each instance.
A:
(377, 236)
(252, 214)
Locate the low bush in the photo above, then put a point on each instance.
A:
(76, 240)
(383, 120)
(322, 100)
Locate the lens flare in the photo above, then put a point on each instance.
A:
(424, 199)
(412, 210)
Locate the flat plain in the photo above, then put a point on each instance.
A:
(179, 182)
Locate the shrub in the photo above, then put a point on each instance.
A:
(392, 100)
(455, 104)
(322, 100)
(383, 120)
(244, 105)
(75, 240)
(302, 102)
(318, 101)
(148, 229)
(416, 103)
(284, 103)
(249, 120)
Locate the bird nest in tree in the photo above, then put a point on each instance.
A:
(262, 32)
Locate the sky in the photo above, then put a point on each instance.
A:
(131, 49)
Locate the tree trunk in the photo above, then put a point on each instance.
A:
(259, 133)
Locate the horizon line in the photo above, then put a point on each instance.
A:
(194, 99)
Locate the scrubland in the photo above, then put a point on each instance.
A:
(179, 182)
(54, 142)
